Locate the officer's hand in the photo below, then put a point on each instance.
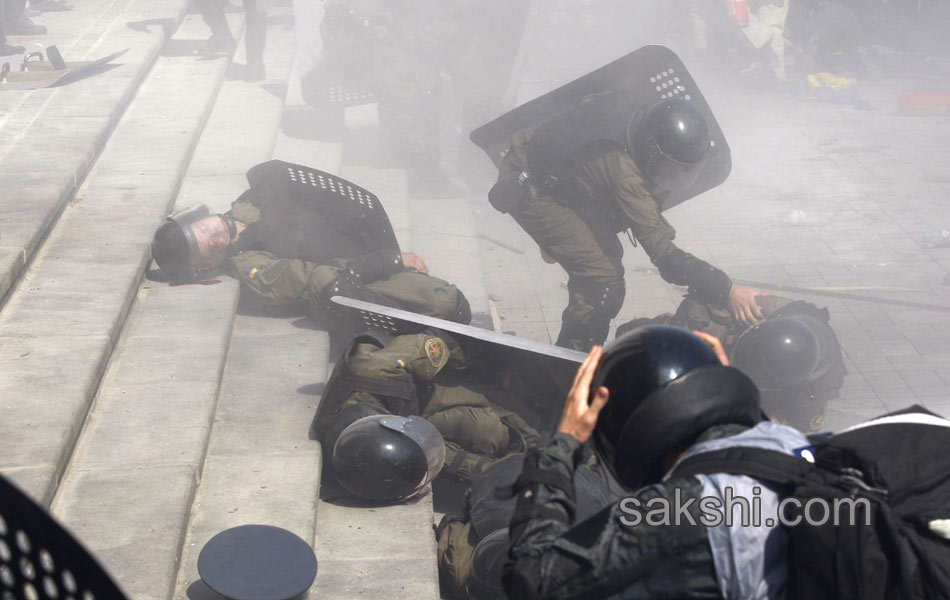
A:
(413, 261)
(579, 417)
(743, 306)
(716, 345)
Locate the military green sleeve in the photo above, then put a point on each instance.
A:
(656, 235)
(269, 278)
(610, 553)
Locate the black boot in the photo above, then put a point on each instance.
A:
(23, 26)
(218, 44)
(8, 50)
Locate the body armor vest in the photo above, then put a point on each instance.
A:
(295, 229)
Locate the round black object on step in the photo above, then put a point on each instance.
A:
(257, 562)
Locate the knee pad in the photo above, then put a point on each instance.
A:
(606, 298)
(463, 310)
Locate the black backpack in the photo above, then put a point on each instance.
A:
(890, 477)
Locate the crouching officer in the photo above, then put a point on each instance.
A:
(793, 356)
(301, 236)
(655, 396)
(612, 159)
(428, 375)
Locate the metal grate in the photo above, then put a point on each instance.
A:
(41, 560)
(337, 94)
(669, 84)
(380, 322)
(339, 187)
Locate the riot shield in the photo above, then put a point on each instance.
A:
(354, 207)
(650, 74)
(52, 73)
(546, 371)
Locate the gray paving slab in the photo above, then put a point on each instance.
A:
(157, 399)
(44, 393)
(384, 552)
(133, 530)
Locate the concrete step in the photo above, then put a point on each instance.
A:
(60, 323)
(148, 441)
(260, 465)
(127, 493)
(51, 137)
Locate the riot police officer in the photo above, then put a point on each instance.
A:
(479, 414)
(584, 175)
(301, 236)
(670, 398)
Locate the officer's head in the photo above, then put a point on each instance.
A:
(669, 141)
(385, 458)
(783, 355)
(666, 388)
(191, 242)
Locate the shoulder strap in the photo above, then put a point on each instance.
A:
(768, 465)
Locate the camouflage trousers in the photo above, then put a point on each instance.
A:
(283, 282)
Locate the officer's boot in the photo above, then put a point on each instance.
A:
(221, 40)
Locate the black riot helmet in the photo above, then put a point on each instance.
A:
(777, 353)
(192, 241)
(669, 142)
(385, 458)
(786, 356)
(666, 387)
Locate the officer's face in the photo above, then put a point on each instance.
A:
(213, 237)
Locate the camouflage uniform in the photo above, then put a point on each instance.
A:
(576, 223)
(696, 315)
(422, 375)
(291, 255)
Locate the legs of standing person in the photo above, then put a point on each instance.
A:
(255, 35)
(592, 260)
(221, 40)
(15, 21)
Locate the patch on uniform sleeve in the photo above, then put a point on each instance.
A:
(251, 272)
(436, 352)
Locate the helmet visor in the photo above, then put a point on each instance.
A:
(427, 437)
(211, 237)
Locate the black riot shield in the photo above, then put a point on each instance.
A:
(650, 75)
(545, 371)
(35, 74)
(353, 207)
(343, 77)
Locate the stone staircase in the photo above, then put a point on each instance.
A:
(147, 416)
